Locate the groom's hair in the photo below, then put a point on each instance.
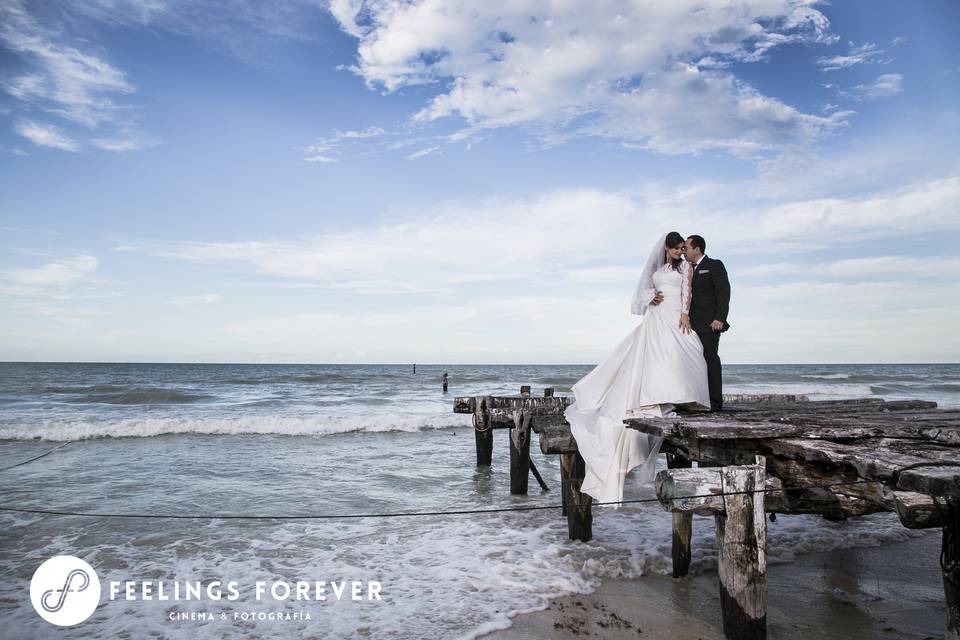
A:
(698, 242)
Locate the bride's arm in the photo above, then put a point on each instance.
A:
(642, 297)
(686, 293)
(686, 287)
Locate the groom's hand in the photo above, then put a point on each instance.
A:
(716, 325)
(657, 299)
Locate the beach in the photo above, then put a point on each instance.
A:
(893, 591)
(320, 442)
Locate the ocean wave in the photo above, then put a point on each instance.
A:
(96, 388)
(734, 374)
(109, 394)
(71, 430)
(827, 376)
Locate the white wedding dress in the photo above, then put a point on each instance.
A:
(655, 367)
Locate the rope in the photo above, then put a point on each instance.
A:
(20, 464)
(399, 514)
(951, 543)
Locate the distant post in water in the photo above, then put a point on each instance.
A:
(444, 380)
(414, 367)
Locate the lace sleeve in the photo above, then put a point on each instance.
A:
(686, 287)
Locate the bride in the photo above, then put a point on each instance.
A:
(656, 367)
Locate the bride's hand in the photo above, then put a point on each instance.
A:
(685, 323)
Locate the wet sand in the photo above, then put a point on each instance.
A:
(893, 591)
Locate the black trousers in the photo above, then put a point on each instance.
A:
(711, 346)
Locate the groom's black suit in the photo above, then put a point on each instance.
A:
(710, 301)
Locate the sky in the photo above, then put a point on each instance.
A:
(446, 181)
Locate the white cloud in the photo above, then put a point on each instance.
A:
(326, 149)
(245, 28)
(862, 54)
(585, 236)
(884, 86)
(500, 328)
(844, 221)
(425, 255)
(650, 74)
(423, 152)
(121, 145)
(58, 273)
(924, 268)
(64, 80)
(80, 86)
(314, 156)
(205, 298)
(46, 135)
(873, 320)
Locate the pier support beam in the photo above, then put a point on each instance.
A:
(576, 505)
(682, 525)
(742, 553)
(483, 432)
(520, 453)
(730, 495)
(950, 563)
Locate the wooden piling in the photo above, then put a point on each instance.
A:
(577, 506)
(548, 392)
(525, 391)
(741, 553)
(483, 432)
(682, 525)
(520, 453)
(950, 563)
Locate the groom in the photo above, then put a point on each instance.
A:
(709, 305)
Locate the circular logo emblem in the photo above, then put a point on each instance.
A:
(65, 590)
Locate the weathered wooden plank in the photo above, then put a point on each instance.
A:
(541, 423)
(917, 511)
(873, 459)
(834, 492)
(556, 439)
(464, 404)
(940, 477)
(733, 398)
(699, 491)
(946, 430)
(742, 553)
(543, 405)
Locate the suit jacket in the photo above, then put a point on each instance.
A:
(710, 299)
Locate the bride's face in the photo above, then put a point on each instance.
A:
(674, 253)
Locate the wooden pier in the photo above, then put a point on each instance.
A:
(762, 454)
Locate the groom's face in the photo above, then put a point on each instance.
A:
(687, 250)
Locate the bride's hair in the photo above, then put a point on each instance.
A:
(673, 239)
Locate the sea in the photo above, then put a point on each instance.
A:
(143, 461)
